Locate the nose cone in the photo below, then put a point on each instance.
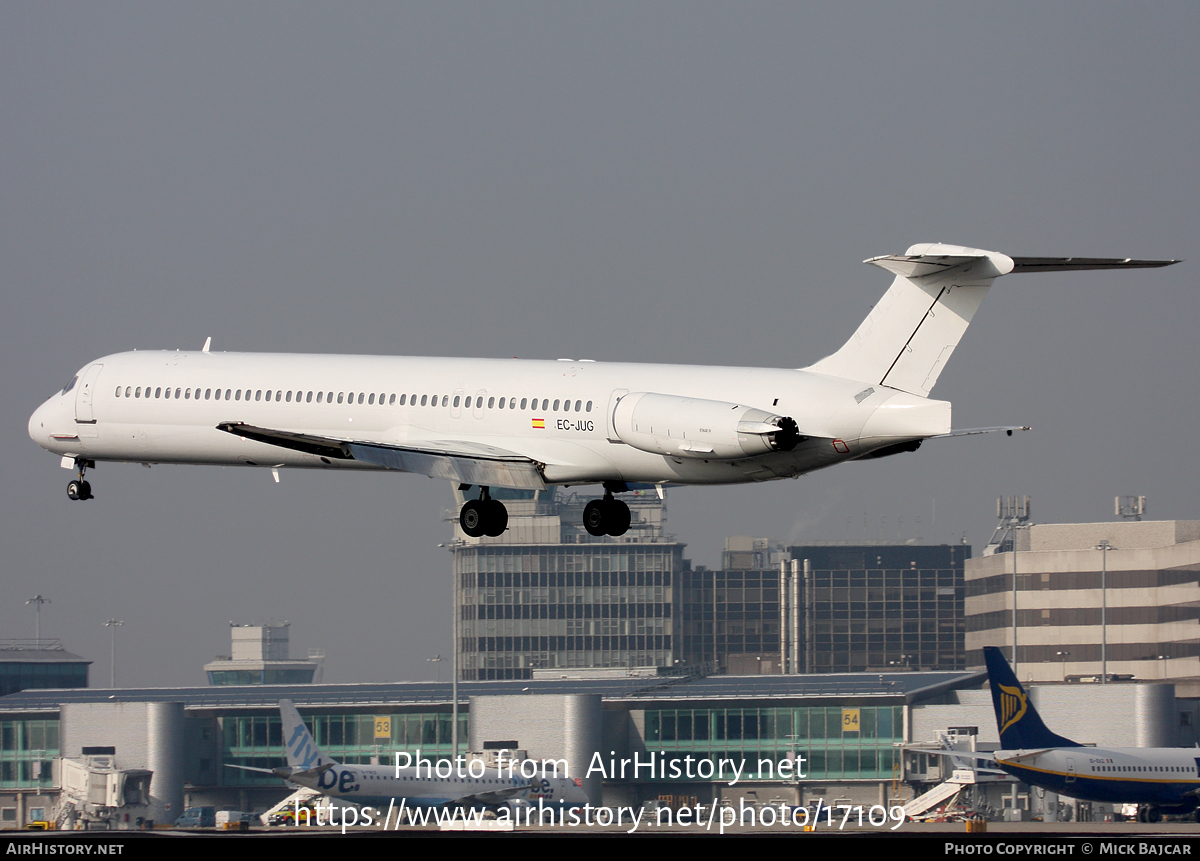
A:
(37, 426)
(51, 417)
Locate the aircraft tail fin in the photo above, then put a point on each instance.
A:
(906, 340)
(302, 751)
(1021, 727)
(910, 333)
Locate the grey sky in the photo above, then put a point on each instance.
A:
(647, 182)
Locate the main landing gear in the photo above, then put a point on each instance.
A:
(79, 488)
(483, 516)
(607, 516)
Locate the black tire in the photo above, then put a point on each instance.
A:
(495, 518)
(1153, 815)
(473, 517)
(619, 517)
(74, 490)
(85, 490)
(595, 518)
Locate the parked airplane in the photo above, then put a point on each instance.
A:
(527, 424)
(378, 786)
(1158, 779)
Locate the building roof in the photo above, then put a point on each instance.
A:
(43, 651)
(834, 687)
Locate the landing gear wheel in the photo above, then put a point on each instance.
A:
(473, 517)
(620, 517)
(606, 516)
(79, 488)
(1153, 815)
(595, 518)
(495, 518)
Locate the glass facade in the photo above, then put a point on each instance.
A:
(870, 608)
(23, 676)
(356, 738)
(266, 676)
(837, 742)
(526, 607)
(27, 749)
(728, 613)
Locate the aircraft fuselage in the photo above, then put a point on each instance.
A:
(164, 407)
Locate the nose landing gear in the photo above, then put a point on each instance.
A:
(483, 516)
(80, 488)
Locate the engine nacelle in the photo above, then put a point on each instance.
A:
(694, 427)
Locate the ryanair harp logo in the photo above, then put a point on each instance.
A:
(1013, 703)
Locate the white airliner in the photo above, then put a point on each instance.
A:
(528, 424)
(378, 786)
(1157, 779)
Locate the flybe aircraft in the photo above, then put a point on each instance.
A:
(419, 786)
(487, 423)
(1158, 779)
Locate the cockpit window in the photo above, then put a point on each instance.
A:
(70, 385)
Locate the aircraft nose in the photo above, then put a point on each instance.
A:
(42, 424)
(37, 424)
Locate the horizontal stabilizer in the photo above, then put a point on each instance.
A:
(1070, 264)
(973, 431)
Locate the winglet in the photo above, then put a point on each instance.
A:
(207, 344)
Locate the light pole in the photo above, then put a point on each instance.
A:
(38, 601)
(112, 625)
(1062, 656)
(1104, 546)
(437, 659)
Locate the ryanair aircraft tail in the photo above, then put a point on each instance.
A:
(1020, 726)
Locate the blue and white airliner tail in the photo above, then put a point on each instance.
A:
(1158, 780)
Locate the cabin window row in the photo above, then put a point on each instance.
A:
(366, 398)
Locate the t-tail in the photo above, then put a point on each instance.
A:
(907, 338)
(302, 752)
(1021, 727)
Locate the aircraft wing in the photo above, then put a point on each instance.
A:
(496, 796)
(455, 460)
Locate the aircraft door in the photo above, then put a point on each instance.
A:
(616, 396)
(85, 395)
(1070, 769)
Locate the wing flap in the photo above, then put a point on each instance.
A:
(454, 460)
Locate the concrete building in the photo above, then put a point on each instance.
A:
(259, 656)
(844, 728)
(842, 732)
(1145, 625)
(548, 596)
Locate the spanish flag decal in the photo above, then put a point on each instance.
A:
(539, 424)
